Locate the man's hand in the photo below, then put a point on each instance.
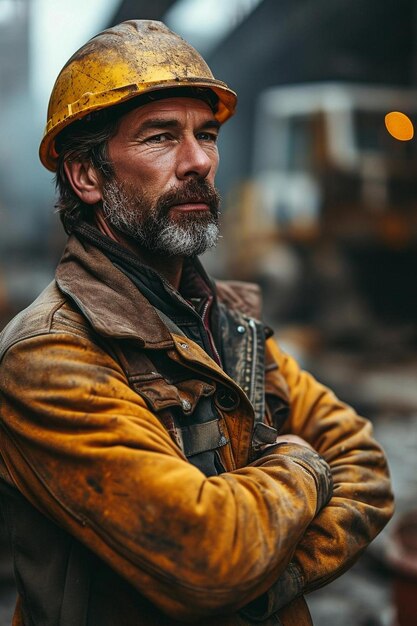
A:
(321, 469)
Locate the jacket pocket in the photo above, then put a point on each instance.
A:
(160, 394)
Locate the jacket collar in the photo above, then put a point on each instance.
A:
(108, 299)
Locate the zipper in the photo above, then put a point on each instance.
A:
(206, 306)
(254, 359)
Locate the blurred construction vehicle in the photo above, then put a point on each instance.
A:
(332, 193)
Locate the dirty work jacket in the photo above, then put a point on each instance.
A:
(109, 522)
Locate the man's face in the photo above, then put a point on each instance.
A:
(165, 158)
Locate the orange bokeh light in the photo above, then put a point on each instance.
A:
(399, 126)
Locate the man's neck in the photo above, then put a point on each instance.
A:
(170, 268)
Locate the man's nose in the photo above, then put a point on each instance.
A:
(193, 160)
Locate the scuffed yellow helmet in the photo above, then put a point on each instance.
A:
(122, 62)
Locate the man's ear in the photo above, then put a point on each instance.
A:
(84, 181)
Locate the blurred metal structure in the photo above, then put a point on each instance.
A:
(141, 9)
(31, 237)
(286, 42)
(14, 35)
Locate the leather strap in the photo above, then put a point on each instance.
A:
(201, 437)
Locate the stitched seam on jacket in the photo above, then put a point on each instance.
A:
(23, 331)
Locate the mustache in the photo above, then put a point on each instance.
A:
(194, 190)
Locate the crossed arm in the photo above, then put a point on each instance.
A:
(361, 503)
(84, 449)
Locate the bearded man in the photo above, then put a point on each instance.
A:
(161, 460)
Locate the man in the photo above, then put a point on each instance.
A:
(162, 461)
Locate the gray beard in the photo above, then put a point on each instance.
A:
(153, 229)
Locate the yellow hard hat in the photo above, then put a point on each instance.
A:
(122, 62)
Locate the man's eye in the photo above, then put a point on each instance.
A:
(161, 138)
(207, 137)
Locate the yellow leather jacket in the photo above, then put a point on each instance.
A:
(99, 496)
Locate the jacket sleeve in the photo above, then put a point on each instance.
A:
(82, 446)
(362, 501)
